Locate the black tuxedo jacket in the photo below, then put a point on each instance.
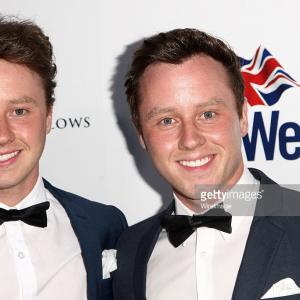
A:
(97, 227)
(272, 250)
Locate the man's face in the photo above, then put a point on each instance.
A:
(190, 125)
(24, 123)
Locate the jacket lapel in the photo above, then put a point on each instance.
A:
(262, 244)
(87, 238)
(263, 241)
(144, 252)
(145, 249)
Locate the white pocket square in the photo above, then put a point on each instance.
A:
(109, 262)
(284, 287)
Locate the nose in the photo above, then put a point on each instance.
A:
(6, 133)
(191, 137)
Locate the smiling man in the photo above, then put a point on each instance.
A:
(190, 126)
(186, 96)
(51, 240)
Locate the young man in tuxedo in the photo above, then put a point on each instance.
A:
(51, 240)
(186, 96)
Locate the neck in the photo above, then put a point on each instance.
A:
(199, 206)
(13, 196)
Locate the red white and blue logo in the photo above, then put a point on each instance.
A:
(265, 81)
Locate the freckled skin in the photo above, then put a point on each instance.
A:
(24, 124)
(188, 112)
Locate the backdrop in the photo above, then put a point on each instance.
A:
(93, 150)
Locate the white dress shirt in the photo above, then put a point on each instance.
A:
(205, 266)
(41, 263)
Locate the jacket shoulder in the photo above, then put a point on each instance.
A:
(99, 212)
(285, 200)
(131, 237)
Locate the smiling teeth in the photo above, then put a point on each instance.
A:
(195, 163)
(5, 157)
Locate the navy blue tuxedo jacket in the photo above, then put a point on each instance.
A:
(97, 227)
(272, 251)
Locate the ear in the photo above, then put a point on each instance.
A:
(49, 119)
(244, 118)
(141, 140)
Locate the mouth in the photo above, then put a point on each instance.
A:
(8, 156)
(196, 163)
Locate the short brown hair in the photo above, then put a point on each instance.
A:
(175, 47)
(23, 42)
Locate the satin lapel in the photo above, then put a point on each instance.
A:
(145, 249)
(144, 252)
(87, 238)
(263, 241)
(90, 252)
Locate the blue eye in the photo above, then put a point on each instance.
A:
(167, 121)
(208, 115)
(20, 111)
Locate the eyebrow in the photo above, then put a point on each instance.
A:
(158, 111)
(214, 101)
(23, 100)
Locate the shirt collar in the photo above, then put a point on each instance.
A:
(37, 195)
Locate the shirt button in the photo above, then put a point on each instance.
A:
(21, 255)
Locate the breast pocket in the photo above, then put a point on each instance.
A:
(106, 289)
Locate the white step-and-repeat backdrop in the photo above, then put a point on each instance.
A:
(93, 150)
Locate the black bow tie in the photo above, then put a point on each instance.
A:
(33, 215)
(179, 227)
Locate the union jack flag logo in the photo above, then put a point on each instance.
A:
(265, 79)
